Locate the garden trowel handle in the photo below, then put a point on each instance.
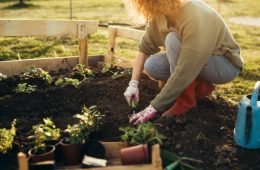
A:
(132, 104)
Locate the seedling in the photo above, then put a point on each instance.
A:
(43, 132)
(89, 120)
(25, 88)
(83, 71)
(117, 73)
(2, 77)
(36, 73)
(144, 133)
(67, 81)
(7, 137)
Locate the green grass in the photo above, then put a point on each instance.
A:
(112, 11)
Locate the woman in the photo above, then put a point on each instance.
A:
(200, 52)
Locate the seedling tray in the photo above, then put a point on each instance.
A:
(113, 157)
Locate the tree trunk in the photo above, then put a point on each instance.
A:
(21, 1)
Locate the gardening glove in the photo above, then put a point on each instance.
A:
(132, 91)
(143, 116)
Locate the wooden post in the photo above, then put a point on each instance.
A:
(112, 33)
(22, 161)
(83, 44)
(156, 157)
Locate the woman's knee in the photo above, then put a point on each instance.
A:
(157, 67)
(172, 41)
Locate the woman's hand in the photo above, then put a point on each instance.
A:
(143, 116)
(132, 91)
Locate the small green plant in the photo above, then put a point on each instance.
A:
(90, 120)
(43, 132)
(144, 133)
(7, 137)
(119, 74)
(37, 73)
(83, 71)
(115, 74)
(25, 88)
(67, 81)
(2, 77)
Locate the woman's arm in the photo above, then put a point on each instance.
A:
(138, 65)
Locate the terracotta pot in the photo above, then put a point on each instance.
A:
(39, 157)
(73, 154)
(135, 155)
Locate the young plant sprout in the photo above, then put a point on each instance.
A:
(36, 73)
(89, 121)
(44, 132)
(7, 137)
(2, 77)
(25, 88)
(67, 81)
(144, 133)
(83, 71)
(119, 72)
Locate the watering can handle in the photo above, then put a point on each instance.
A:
(255, 94)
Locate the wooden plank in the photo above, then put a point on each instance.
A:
(121, 167)
(22, 161)
(128, 33)
(15, 67)
(156, 158)
(45, 27)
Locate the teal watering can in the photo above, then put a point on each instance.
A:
(247, 128)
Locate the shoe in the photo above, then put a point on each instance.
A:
(183, 103)
(203, 89)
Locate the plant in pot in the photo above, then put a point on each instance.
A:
(140, 139)
(72, 146)
(43, 133)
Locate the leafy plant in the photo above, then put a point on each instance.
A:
(116, 71)
(43, 132)
(25, 88)
(2, 77)
(67, 81)
(7, 137)
(90, 120)
(83, 71)
(143, 133)
(38, 73)
(172, 161)
(106, 67)
(117, 75)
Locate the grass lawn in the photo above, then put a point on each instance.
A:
(112, 11)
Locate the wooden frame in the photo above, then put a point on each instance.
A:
(122, 32)
(112, 155)
(57, 28)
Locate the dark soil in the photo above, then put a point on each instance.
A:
(205, 133)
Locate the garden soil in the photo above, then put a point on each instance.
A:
(204, 133)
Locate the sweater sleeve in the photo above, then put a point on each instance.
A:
(149, 42)
(198, 42)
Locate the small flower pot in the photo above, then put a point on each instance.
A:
(134, 155)
(73, 154)
(40, 157)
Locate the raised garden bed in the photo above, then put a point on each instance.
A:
(205, 133)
